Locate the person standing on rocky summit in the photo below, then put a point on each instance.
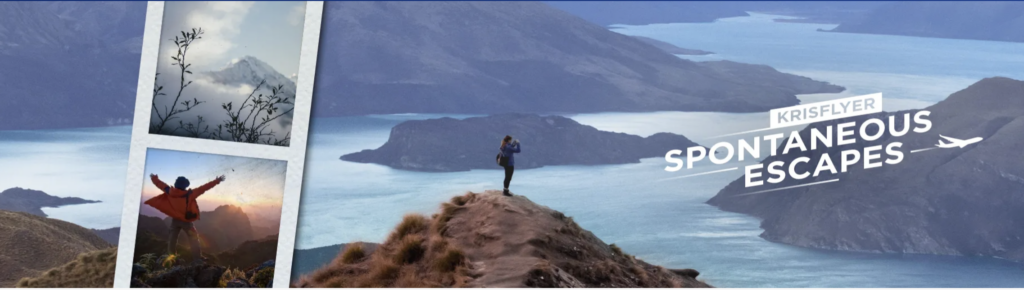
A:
(508, 148)
(179, 203)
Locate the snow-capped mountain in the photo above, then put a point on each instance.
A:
(250, 70)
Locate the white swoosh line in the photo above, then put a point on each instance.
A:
(788, 187)
(923, 149)
(702, 173)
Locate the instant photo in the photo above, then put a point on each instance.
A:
(227, 71)
(208, 221)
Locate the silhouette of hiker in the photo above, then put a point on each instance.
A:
(508, 148)
(179, 203)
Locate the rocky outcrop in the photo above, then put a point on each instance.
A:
(182, 276)
(490, 240)
(959, 201)
(33, 244)
(501, 57)
(449, 144)
(32, 201)
(168, 272)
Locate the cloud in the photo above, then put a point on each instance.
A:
(214, 95)
(221, 22)
(297, 15)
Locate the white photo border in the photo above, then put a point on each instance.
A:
(294, 154)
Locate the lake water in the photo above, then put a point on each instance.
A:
(90, 163)
(667, 222)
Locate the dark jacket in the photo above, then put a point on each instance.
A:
(508, 150)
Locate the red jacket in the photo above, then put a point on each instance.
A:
(173, 201)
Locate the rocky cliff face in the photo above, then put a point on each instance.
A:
(32, 201)
(956, 201)
(490, 240)
(500, 57)
(225, 227)
(459, 145)
(983, 20)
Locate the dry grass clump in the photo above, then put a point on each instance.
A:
(411, 223)
(410, 250)
(450, 260)
(353, 253)
(263, 278)
(415, 255)
(230, 274)
(89, 270)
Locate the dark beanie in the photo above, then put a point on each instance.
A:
(181, 183)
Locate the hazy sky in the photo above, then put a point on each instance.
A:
(256, 185)
(270, 31)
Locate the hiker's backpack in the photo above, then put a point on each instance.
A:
(188, 213)
(502, 159)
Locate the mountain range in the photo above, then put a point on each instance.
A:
(79, 67)
(607, 13)
(222, 229)
(959, 201)
(981, 20)
(447, 144)
(498, 57)
(69, 64)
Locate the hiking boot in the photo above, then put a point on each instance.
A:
(506, 193)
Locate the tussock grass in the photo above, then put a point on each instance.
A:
(353, 253)
(229, 275)
(449, 261)
(410, 250)
(263, 277)
(415, 255)
(411, 223)
(89, 270)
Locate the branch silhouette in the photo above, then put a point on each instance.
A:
(249, 122)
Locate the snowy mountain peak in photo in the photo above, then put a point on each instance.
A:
(250, 70)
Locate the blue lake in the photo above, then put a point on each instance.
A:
(90, 163)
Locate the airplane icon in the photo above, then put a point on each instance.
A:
(954, 142)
